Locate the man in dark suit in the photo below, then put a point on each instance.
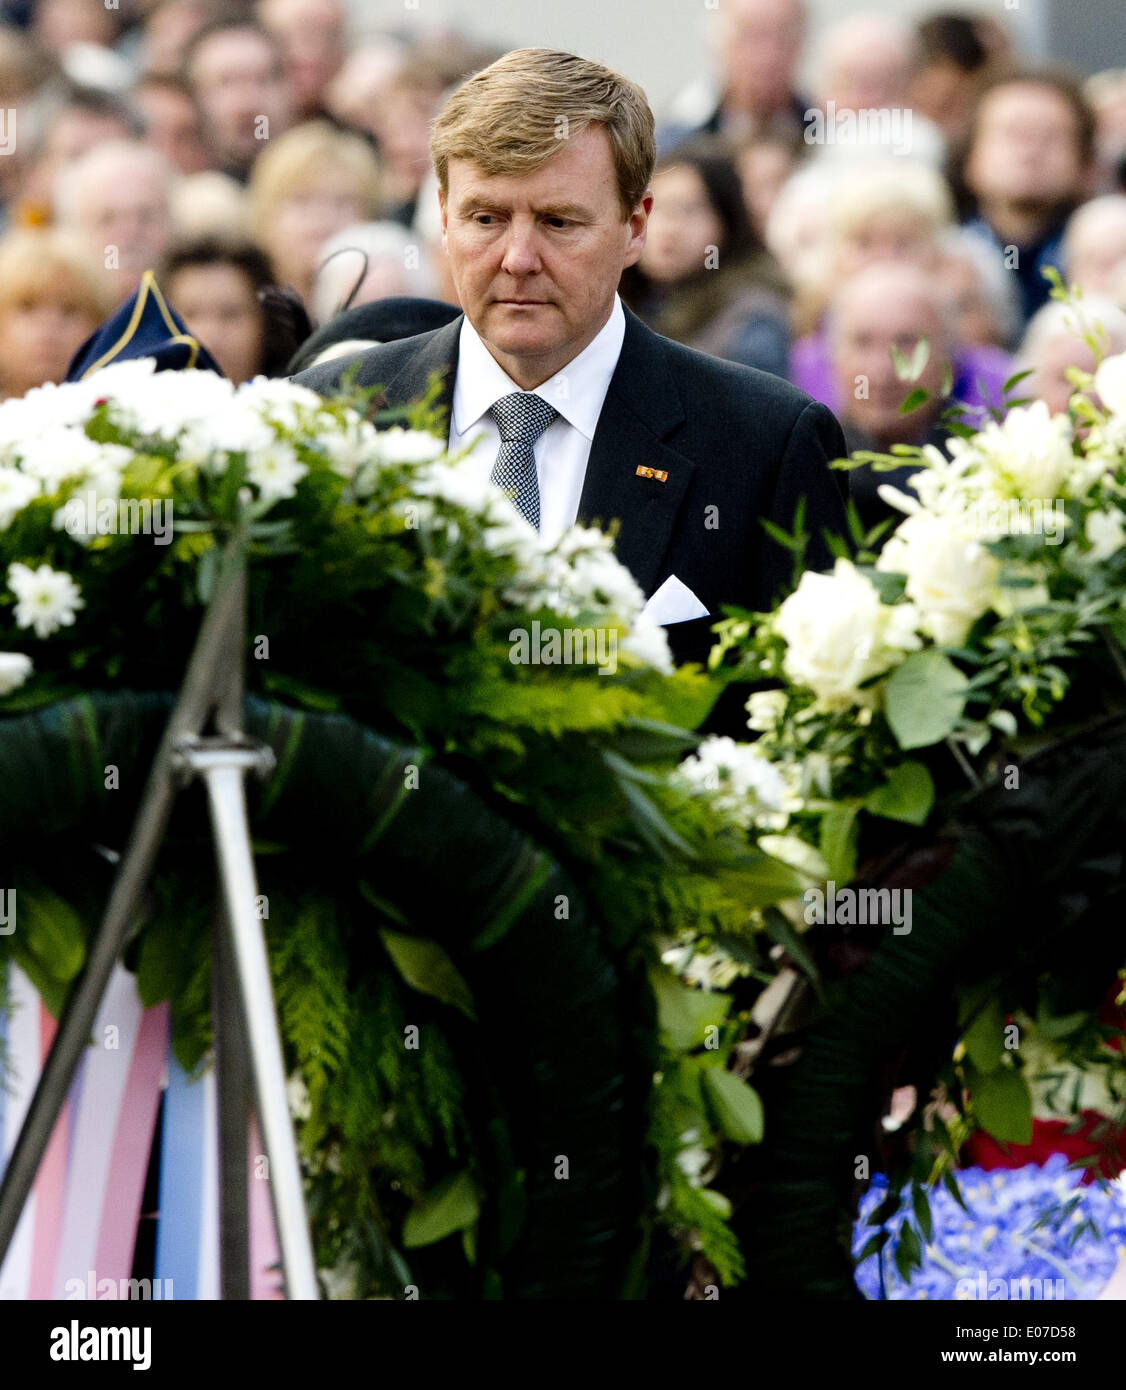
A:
(579, 409)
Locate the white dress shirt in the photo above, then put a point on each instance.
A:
(577, 391)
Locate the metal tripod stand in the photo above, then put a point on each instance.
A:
(248, 1052)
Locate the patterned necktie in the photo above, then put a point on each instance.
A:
(521, 417)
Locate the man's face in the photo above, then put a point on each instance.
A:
(1026, 149)
(867, 327)
(172, 127)
(238, 80)
(758, 45)
(128, 211)
(536, 259)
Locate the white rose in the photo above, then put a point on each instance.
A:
(14, 670)
(1110, 383)
(951, 577)
(764, 710)
(1029, 454)
(838, 634)
(1106, 533)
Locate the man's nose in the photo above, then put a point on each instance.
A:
(521, 251)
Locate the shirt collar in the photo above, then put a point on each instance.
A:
(577, 391)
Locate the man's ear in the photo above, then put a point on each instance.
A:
(639, 226)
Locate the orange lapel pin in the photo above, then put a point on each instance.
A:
(658, 473)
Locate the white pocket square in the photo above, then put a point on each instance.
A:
(674, 602)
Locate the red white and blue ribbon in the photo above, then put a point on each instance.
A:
(77, 1233)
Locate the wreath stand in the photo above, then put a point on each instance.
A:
(248, 1051)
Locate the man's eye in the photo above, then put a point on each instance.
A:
(558, 221)
(482, 218)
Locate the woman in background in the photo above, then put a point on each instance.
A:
(224, 291)
(52, 297)
(310, 183)
(704, 278)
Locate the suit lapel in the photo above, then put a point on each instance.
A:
(438, 353)
(642, 406)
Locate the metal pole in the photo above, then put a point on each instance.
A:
(209, 661)
(232, 1087)
(223, 769)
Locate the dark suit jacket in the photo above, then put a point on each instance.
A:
(736, 444)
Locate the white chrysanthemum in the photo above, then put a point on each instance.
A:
(79, 515)
(275, 470)
(280, 400)
(17, 489)
(455, 483)
(48, 599)
(398, 445)
(838, 634)
(743, 783)
(164, 403)
(15, 668)
(67, 454)
(348, 447)
(950, 576)
(648, 641)
(232, 428)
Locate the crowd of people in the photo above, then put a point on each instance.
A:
(274, 172)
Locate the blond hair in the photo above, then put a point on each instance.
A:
(509, 118)
(896, 186)
(296, 158)
(41, 263)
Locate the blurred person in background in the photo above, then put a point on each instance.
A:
(765, 162)
(1055, 341)
(210, 204)
(313, 34)
(427, 227)
(981, 291)
(884, 307)
(888, 210)
(704, 278)
(800, 238)
(356, 90)
(756, 45)
(237, 72)
(865, 64)
(400, 123)
(307, 185)
(1094, 243)
(953, 60)
(168, 29)
(1106, 95)
(81, 120)
(367, 262)
(214, 285)
(57, 24)
(117, 197)
(52, 297)
(27, 74)
(172, 122)
(1029, 161)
